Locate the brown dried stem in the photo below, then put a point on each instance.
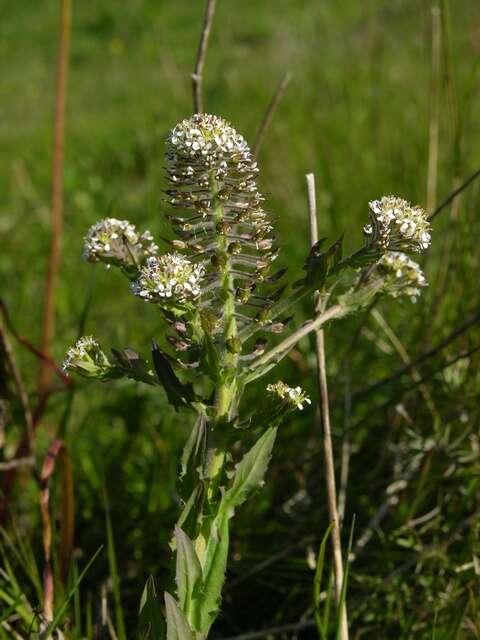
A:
(56, 453)
(197, 75)
(326, 428)
(20, 387)
(48, 328)
(267, 118)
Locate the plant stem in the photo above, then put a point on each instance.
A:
(267, 118)
(327, 435)
(434, 111)
(228, 360)
(282, 348)
(197, 75)
(57, 193)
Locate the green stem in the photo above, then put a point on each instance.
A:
(225, 393)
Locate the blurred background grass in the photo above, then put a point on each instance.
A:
(357, 114)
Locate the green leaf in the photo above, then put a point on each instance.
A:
(188, 570)
(249, 472)
(152, 625)
(453, 629)
(133, 366)
(317, 583)
(193, 457)
(63, 607)
(177, 624)
(215, 566)
(319, 264)
(210, 360)
(343, 594)
(178, 394)
(191, 516)
(112, 563)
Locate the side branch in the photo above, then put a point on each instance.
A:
(283, 347)
(197, 75)
(267, 118)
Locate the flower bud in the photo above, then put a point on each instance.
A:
(396, 225)
(403, 276)
(117, 242)
(169, 279)
(87, 359)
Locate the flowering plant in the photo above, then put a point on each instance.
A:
(218, 295)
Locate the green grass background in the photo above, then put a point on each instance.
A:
(356, 113)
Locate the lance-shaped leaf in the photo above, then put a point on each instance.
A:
(319, 263)
(178, 394)
(192, 514)
(188, 571)
(152, 625)
(177, 624)
(249, 472)
(133, 366)
(193, 457)
(215, 566)
(249, 475)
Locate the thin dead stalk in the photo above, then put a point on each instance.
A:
(28, 461)
(57, 453)
(327, 434)
(427, 355)
(267, 118)
(402, 352)
(346, 445)
(197, 75)
(48, 328)
(433, 133)
(20, 387)
(454, 194)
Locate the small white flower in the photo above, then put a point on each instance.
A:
(403, 276)
(169, 276)
(117, 242)
(397, 225)
(295, 397)
(208, 137)
(87, 359)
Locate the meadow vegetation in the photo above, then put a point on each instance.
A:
(360, 112)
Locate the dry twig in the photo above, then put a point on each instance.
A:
(57, 192)
(21, 391)
(327, 434)
(197, 75)
(267, 118)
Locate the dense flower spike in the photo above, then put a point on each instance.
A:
(402, 275)
(170, 277)
(396, 225)
(87, 359)
(117, 242)
(220, 218)
(294, 397)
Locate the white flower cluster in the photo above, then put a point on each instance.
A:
(402, 275)
(87, 359)
(206, 136)
(295, 397)
(170, 277)
(117, 242)
(397, 225)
